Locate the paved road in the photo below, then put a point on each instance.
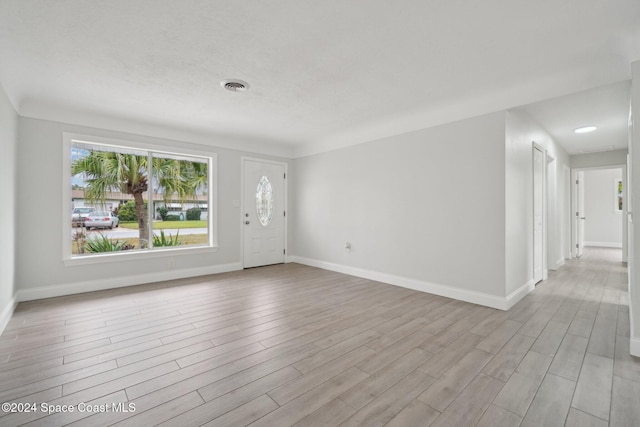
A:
(125, 233)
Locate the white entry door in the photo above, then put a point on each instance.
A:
(263, 215)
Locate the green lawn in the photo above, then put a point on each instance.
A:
(162, 225)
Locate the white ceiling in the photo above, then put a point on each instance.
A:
(323, 74)
(606, 107)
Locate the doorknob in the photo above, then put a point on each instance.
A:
(246, 222)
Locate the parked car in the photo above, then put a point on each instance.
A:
(79, 214)
(101, 220)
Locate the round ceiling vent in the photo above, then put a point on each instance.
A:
(235, 85)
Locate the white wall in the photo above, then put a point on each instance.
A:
(605, 158)
(603, 226)
(423, 209)
(415, 207)
(8, 148)
(40, 270)
(520, 133)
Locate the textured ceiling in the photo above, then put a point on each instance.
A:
(323, 74)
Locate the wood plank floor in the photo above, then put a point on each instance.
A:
(294, 345)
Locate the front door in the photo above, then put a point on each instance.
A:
(263, 212)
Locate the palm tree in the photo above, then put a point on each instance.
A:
(181, 178)
(106, 171)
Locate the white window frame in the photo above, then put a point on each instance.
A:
(212, 218)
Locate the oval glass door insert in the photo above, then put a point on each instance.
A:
(264, 201)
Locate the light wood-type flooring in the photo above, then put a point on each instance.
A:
(294, 345)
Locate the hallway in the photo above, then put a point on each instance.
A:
(583, 345)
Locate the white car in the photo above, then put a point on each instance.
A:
(101, 220)
(79, 214)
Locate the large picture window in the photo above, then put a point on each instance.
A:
(131, 199)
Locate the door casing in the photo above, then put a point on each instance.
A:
(539, 259)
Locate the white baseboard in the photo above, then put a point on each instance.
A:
(519, 293)
(422, 286)
(634, 342)
(558, 264)
(634, 346)
(604, 244)
(120, 282)
(7, 312)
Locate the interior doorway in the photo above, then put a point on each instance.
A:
(538, 212)
(599, 206)
(579, 217)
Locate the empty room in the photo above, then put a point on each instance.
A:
(297, 213)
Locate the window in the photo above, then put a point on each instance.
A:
(618, 195)
(149, 200)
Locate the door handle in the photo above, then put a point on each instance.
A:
(582, 217)
(246, 222)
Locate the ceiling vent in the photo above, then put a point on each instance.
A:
(235, 85)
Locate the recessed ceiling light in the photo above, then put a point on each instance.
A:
(586, 129)
(234, 85)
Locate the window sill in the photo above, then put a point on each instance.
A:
(136, 255)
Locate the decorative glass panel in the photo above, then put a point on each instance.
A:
(264, 201)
